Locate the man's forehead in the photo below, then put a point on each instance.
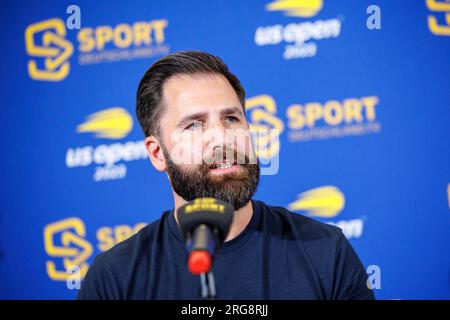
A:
(180, 81)
(186, 94)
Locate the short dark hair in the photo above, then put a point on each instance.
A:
(149, 100)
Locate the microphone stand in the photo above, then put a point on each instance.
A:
(208, 286)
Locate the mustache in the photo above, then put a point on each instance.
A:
(228, 155)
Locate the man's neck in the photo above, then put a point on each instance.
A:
(241, 217)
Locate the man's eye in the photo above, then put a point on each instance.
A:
(232, 119)
(194, 125)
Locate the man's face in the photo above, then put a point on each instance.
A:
(206, 141)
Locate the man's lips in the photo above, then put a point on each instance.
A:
(224, 168)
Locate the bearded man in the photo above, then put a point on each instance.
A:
(192, 112)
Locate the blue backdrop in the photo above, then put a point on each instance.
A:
(363, 116)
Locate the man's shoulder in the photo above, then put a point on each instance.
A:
(112, 271)
(336, 264)
(305, 227)
(130, 248)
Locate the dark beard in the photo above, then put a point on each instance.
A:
(236, 188)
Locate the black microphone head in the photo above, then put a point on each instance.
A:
(215, 213)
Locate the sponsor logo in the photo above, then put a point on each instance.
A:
(327, 202)
(109, 159)
(265, 128)
(298, 38)
(324, 202)
(333, 119)
(68, 249)
(296, 8)
(47, 44)
(202, 204)
(65, 240)
(439, 20)
(264, 124)
(112, 123)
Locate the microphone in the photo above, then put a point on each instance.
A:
(204, 223)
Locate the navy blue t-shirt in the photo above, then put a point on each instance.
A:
(279, 255)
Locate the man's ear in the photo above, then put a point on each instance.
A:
(155, 153)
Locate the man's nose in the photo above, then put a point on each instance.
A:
(216, 136)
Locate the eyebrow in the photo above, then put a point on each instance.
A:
(201, 115)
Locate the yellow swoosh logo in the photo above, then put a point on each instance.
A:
(112, 123)
(296, 8)
(325, 202)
